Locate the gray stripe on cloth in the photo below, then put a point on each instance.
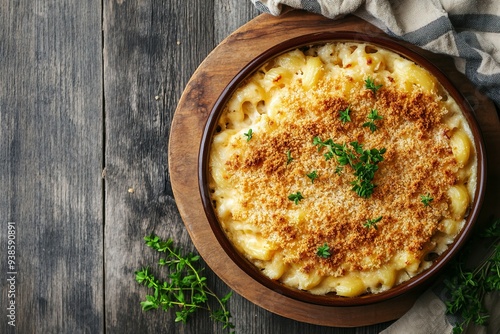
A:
(467, 43)
(477, 22)
(311, 6)
(261, 7)
(428, 33)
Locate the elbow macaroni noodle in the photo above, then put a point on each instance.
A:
(297, 96)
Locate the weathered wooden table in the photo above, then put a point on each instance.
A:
(88, 90)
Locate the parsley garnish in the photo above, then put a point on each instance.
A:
(372, 223)
(295, 197)
(370, 84)
(288, 157)
(372, 116)
(248, 134)
(426, 199)
(312, 175)
(469, 287)
(344, 154)
(185, 289)
(344, 115)
(324, 251)
(363, 162)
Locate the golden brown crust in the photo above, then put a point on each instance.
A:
(264, 156)
(418, 161)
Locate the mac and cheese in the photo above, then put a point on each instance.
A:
(263, 153)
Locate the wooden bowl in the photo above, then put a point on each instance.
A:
(420, 281)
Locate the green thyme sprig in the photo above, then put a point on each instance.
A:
(344, 115)
(370, 84)
(372, 223)
(185, 289)
(296, 197)
(344, 154)
(289, 157)
(324, 251)
(469, 287)
(248, 134)
(312, 175)
(372, 116)
(363, 162)
(426, 199)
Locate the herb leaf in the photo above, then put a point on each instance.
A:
(344, 115)
(370, 84)
(288, 157)
(426, 199)
(372, 223)
(312, 175)
(372, 116)
(363, 162)
(493, 230)
(324, 251)
(469, 287)
(296, 197)
(185, 289)
(248, 134)
(363, 188)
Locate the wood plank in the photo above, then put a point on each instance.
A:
(50, 164)
(229, 15)
(151, 49)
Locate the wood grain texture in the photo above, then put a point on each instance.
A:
(200, 95)
(88, 85)
(50, 164)
(151, 48)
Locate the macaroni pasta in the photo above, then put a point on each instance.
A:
(263, 156)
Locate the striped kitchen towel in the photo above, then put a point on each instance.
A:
(467, 30)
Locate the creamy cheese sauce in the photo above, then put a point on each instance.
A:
(279, 199)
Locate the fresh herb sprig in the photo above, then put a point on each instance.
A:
(426, 199)
(469, 287)
(372, 223)
(185, 289)
(345, 156)
(372, 116)
(324, 251)
(370, 84)
(363, 162)
(344, 115)
(289, 157)
(249, 134)
(296, 197)
(312, 175)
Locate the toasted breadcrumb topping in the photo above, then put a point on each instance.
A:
(418, 160)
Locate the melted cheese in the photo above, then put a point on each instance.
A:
(299, 96)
